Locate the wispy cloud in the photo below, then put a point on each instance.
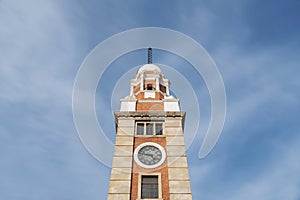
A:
(39, 144)
(43, 43)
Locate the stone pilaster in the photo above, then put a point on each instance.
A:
(120, 179)
(179, 181)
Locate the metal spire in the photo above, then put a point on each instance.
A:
(149, 55)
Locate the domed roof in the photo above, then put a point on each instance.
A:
(149, 67)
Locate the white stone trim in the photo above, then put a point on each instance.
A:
(149, 94)
(128, 105)
(171, 106)
(157, 83)
(150, 101)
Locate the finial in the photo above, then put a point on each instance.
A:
(149, 55)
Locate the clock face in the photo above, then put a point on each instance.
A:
(149, 155)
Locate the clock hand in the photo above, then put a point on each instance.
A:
(148, 154)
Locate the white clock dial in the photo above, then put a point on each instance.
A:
(149, 155)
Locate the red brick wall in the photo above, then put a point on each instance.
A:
(163, 169)
(150, 107)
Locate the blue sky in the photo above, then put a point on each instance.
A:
(255, 44)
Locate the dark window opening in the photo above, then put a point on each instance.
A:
(149, 129)
(158, 128)
(149, 87)
(149, 187)
(140, 129)
(162, 88)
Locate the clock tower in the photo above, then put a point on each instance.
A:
(149, 158)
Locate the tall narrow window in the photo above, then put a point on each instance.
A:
(140, 129)
(149, 187)
(149, 129)
(158, 128)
